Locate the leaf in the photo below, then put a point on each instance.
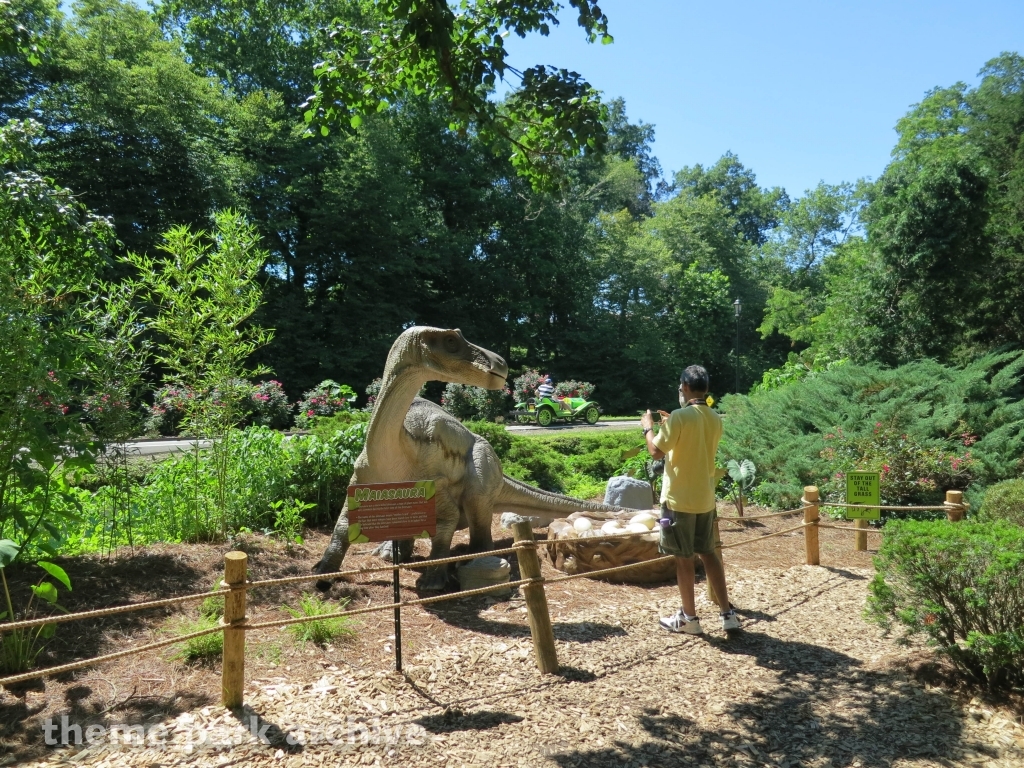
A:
(47, 631)
(8, 551)
(353, 532)
(45, 591)
(57, 572)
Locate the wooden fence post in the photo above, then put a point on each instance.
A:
(810, 500)
(860, 540)
(955, 506)
(233, 667)
(718, 553)
(536, 599)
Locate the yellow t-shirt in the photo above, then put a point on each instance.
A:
(689, 440)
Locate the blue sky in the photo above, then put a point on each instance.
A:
(801, 91)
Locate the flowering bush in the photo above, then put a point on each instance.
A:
(525, 386)
(170, 404)
(572, 388)
(372, 391)
(270, 406)
(475, 403)
(909, 472)
(326, 399)
(458, 401)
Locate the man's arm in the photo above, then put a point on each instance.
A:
(647, 422)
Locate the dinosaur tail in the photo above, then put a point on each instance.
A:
(523, 499)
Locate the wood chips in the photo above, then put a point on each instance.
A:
(807, 683)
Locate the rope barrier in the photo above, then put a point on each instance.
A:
(389, 606)
(848, 528)
(99, 612)
(761, 517)
(945, 506)
(590, 574)
(8, 681)
(766, 536)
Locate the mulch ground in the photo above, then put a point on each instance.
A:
(807, 682)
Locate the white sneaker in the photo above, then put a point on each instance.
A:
(730, 620)
(680, 622)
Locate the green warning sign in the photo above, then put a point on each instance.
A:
(863, 488)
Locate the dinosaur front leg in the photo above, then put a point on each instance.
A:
(336, 549)
(435, 579)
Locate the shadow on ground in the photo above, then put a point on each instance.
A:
(826, 709)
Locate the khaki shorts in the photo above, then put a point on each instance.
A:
(689, 533)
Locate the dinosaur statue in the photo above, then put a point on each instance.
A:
(409, 438)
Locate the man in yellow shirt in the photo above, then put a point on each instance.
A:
(688, 442)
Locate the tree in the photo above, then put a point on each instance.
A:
(59, 324)
(755, 210)
(456, 56)
(130, 127)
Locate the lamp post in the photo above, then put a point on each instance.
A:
(737, 309)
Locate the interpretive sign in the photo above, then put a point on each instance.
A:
(863, 488)
(391, 511)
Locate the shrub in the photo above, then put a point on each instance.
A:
(909, 472)
(525, 386)
(269, 405)
(573, 388)
(1004, 501)
(475, 403)
(169, 407)
(977, 407)
(319, 631)
(458, 401)
(325, 399)
(321, 466)
(962, 585)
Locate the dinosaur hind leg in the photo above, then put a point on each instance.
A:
(435, 579)
(478, 513)
(336, 549)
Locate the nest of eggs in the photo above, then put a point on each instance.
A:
(571, 552)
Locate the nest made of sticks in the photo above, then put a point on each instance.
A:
(572, 554)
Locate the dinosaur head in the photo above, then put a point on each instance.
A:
(445, 355)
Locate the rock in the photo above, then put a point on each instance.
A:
(484, 572)
(629, 492)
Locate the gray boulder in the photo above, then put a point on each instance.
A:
(628, 492)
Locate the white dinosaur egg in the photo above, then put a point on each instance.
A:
(644, 518)
(582, 524)
(637, 528)
(611, 528)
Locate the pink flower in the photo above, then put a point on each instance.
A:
(885, 468)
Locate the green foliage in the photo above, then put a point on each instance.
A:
(578, 465)
(943, 410)
(909, 473)
(476, 403)
(319, 631)
(457, 58)
(962, 585)
(288, 520)
(19, 648)
(1004, 501)
(205, 649)
(325, 399)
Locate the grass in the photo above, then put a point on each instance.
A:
(319, 631)
(199, 650)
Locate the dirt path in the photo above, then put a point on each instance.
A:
(808, 682)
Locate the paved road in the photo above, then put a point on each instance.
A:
(601, 426)
(172, 446)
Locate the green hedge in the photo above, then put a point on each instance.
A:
(962, 585)
(1004, 501)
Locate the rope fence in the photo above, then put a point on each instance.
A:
(235, 588)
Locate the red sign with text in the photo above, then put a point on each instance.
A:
(391, 511)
